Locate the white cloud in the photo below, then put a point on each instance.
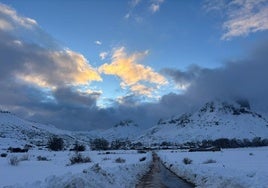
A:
(103, 55)
(13, 19)
(134, 12)
(97, 42)
(127, 16)
(134, 3)
(155, 6)
(4, 25)
(242, 16)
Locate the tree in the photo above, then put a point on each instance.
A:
(99, 144)
(55, 143)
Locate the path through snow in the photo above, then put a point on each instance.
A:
(160, 176)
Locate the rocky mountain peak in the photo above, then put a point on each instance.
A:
(125, 123)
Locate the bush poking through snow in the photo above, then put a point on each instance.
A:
(120, 160)
(40, 158)
(14, 160)
(78, 147)
(17, 150)
(209, 161)
(55, 143)
(3, 154)
(79, 158)
(106, 159)
(187, 161)
(142, 159)
(141, 151)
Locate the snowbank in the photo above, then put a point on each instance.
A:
(103, 171)
(245, 167)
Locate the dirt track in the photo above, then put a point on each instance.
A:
(159, 176)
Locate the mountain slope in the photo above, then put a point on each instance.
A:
(16, 132)
(124, 130)
(214, 120)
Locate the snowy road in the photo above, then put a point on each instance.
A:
(160, 176)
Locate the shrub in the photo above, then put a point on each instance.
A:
(187, 161)
(78, 147)
(14, 160)
(99, 144)
(106, 159)
(3, 154)
(40, 158)
(142, 159)
(79, 158)
(17, 150)
(55, 143)
(209, 161)
(120, 160)
(141, 151)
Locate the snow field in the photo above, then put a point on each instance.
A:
(232, 168)
(103, 171)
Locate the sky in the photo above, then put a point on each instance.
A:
(83, 65)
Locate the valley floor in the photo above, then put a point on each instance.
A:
(103, 171)
(243, 167)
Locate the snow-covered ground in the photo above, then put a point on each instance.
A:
(103, 171)
(243, 167)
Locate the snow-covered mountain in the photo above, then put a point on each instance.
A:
(16, 132)
(124, 130)
(214, 120)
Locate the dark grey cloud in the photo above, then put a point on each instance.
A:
(245, 78)
(183, 78)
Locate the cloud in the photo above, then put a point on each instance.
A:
(39, 61)
(155, 6)
(61, 68)
(245, 78)
(11, 19)
(38, 77)
(103, 55)
(131, 73)
(183, 79)
(97, 42)
(242, 16)
(134, 3)
(139, 10)
(51, 84)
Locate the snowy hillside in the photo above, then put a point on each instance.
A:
(214, 120)
(123, 130)
(16, 132)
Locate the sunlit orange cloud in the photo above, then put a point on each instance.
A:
(36, 80)
(69, 68)
(131, 73)
(142, 89)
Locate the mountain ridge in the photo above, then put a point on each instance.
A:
(214, 120)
